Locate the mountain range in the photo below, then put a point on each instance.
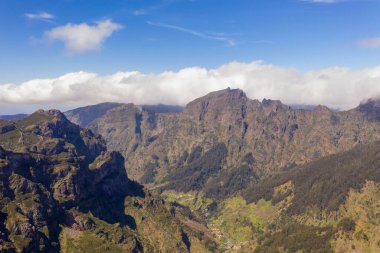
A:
(225, 173)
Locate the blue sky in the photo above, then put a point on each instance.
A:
(68, 53)
(154, 36)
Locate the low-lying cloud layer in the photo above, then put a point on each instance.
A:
(335, 87)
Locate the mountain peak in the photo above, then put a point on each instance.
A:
(322, 108)
(227, 95)
(54, 113)
(215, 103)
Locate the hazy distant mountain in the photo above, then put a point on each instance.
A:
(13, 117)
(83, 116)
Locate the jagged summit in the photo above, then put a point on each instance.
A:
(52, 112)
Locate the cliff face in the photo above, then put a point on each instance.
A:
(273, 135)
(60, 189)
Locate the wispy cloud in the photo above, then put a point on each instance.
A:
(370, 43)
(229, 41)
(82, 38)
(140, 12)
(40, 16)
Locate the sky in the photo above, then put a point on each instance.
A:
(68, 53)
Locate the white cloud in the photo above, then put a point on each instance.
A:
(336, 87)
(41, 16)
(370, 43)
(82, 38)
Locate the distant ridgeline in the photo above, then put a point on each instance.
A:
(13, 117)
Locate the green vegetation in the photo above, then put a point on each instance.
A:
(97, 236)
(230, 181)
(295, 237)
(196, 201)
(324, 183)
(242, 222)
(89, 242)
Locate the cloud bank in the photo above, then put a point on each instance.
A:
(82, 38)
(335, 87)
